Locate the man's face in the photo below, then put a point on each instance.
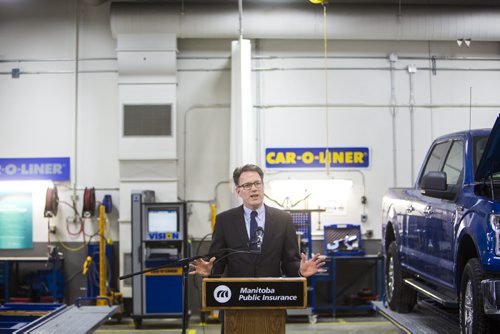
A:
(251, 189)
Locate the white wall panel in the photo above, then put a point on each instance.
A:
(97, 128)
(294, 127)
(204, 101)
(164, 192)
(37, 113)
(308, 87)
(481, 118)
(197, 88)
(454, 87)
(204, 96)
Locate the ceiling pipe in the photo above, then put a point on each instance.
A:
(95, 2)
(305, 21)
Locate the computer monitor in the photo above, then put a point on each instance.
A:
(163, 220)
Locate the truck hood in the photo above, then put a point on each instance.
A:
(490, 161)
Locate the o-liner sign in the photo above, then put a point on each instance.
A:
(55, 169)
(318, 157)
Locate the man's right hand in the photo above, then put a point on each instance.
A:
(201, 267)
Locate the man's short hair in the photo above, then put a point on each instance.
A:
(247, 168)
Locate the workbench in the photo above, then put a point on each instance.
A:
(331, 279)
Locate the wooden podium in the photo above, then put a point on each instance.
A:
(254, 305)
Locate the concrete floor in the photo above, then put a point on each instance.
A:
(361, 324)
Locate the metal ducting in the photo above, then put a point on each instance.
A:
(305, 21)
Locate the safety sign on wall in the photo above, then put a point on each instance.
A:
(16, 220)
(318, 157)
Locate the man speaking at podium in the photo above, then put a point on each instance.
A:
(273, 252)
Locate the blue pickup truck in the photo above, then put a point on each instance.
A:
(441, 238)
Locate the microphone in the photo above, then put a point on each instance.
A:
(260, 236)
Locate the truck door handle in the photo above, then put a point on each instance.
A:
(428, 210)
(410, 209)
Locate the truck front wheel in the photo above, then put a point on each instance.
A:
(400, 297)
(472, 318)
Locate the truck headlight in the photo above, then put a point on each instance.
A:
(495, 225)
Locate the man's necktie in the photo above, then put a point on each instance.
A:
(253, 229)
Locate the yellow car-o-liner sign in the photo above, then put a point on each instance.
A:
(318, 157)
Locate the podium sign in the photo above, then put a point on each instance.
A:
(249, 293)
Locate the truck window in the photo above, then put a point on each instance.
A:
(433, 163)
(454, 164)
(479, 145)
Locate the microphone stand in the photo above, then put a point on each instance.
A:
(185, 308)
(178, 263)
(185, 261)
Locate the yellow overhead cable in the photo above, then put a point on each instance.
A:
(327, 121)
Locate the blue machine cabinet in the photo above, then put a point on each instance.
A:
(159, 240)
(330, 277)
(166, 282)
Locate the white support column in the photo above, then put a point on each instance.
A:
(243, 146)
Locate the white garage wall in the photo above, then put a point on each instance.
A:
(37, 111)
(359, 95)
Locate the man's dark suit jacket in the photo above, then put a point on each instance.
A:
(279, 255)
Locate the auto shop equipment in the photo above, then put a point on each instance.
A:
(302, 222)
(159, 237)
(97, 268)
(343, 244)
(343, 240)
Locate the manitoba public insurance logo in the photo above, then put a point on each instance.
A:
(222, 294)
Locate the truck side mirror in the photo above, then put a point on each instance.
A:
(434, 181)
(434, 184)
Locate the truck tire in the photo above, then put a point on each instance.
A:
(400, 297)
(472, 317)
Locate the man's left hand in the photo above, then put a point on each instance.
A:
(312, 266)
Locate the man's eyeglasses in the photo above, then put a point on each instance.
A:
(248, 186)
